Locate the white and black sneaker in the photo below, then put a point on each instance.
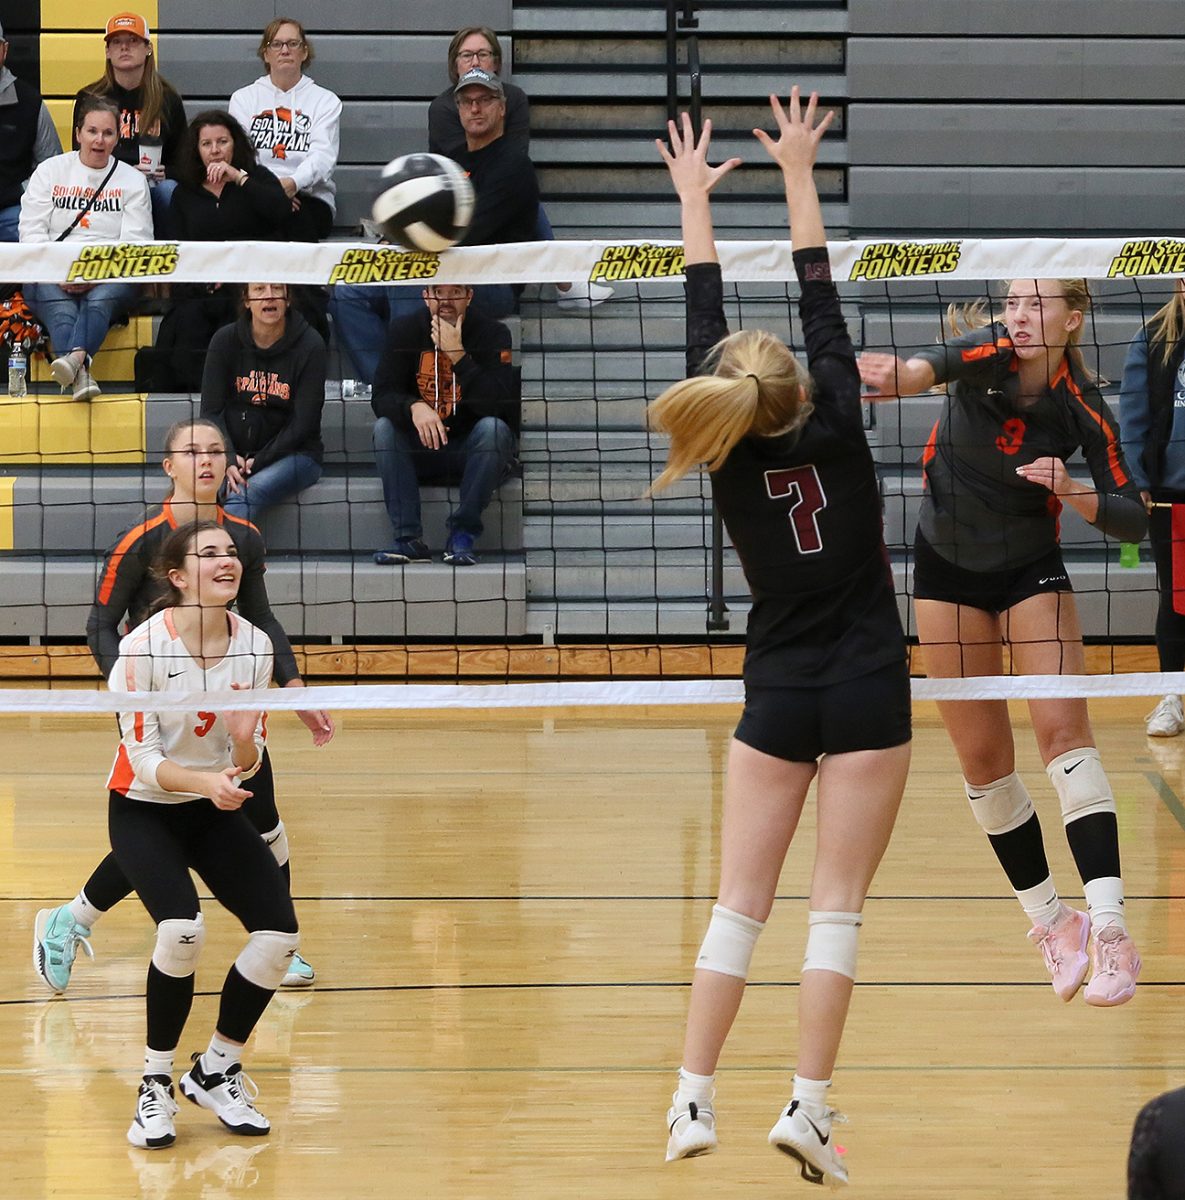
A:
(692, 1129)
(152, 1128)
(229, 1096)
(809, 1141)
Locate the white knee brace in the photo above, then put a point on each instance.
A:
(277, 843)
(728, 945)
(264, 960)
(1081, 784)
(178, 945)
(1000, 806)
(831, 942)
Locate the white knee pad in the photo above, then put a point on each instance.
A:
(728, 945)
(264, 960)
(831, 942)
(277, 843)
(178, 946)
(1081, 784)
(1000, 806)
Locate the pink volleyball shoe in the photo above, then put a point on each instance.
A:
(1063, 945)
(1116, 968)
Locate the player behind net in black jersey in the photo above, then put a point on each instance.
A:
(195, 461)
(988, 570)
(826, 682)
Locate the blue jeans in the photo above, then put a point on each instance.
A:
(483, 456)
(79, 322)
(10, 224)
(161, 195)
(361, 316)
(274, 483)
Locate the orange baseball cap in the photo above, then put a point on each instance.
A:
(128, 22)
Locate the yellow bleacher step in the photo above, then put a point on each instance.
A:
(53, 429)
(115, 361)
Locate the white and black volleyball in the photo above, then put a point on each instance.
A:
(424, 202)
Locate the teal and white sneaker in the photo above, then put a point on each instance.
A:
(56, 938)
(300, 974)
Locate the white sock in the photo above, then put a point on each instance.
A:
(83, 911)
(158, 1062)
(811, 1095)
(1041, 903)
(694, 1088)
(220, 1055)
(1104, 902)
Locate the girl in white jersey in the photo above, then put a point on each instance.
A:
(177, 787)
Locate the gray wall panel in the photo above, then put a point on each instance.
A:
(412, 15)
(1041, 68)
(1001, 200)
(1000, 134)
(1128, 18)
(384, 67)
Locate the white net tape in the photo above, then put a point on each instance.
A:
(619, 261)
(376, 697)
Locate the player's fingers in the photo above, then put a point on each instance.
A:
(780, 117)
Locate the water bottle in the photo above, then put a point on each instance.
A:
(1129, 554)
(18, 367)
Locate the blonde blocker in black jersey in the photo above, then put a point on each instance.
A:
(803, 509)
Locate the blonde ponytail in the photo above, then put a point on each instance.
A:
(757, 387)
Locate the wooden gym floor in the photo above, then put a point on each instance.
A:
(502, 909)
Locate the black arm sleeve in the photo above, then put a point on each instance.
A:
(123, 576)
(705, 313)
(829, 351)
(253, 603)
(1121, 514)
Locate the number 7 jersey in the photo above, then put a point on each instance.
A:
(803, 509)
(153, 658)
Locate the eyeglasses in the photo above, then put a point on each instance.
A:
(285, 44)
(477, 101)
(446, 293)
(478, 55)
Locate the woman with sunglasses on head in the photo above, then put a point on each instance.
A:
(87, 195)
(177, 788)
(794, 480)
(195, 462)
(264, 385)
(988, 571)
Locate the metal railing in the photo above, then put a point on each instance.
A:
(682, 22)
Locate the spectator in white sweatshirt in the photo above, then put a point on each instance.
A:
(294, 125)
(84, 196)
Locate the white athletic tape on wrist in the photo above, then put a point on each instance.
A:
(380, 697)
(264, 960)
(832, 941)
(179, 946)
(1081, 784)
(728, 945)
(1000, 806)
(277, 843)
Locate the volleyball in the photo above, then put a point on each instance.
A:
(424, 202)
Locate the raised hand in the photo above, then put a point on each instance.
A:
(799, 134)
(687, 159)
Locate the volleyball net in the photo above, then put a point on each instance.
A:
(586, 591)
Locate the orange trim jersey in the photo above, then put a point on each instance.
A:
(153, 658)
(128, 589)
(977, 512)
